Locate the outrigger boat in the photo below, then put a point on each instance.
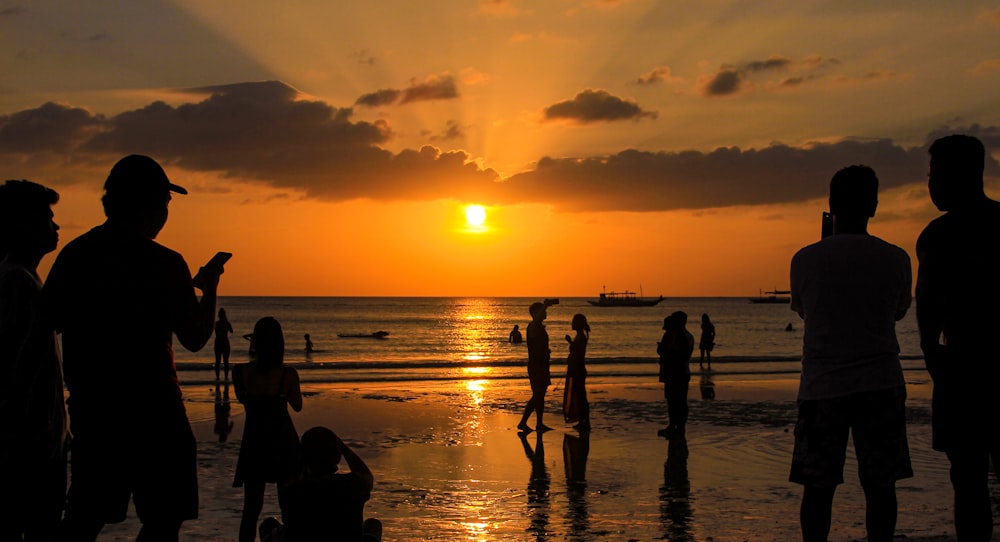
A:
(774, 296)
(623, 299)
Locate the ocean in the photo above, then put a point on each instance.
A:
(446, 338)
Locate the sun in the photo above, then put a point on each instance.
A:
(475, 215)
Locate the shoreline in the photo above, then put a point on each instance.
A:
(449, 464)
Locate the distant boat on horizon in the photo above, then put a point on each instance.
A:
(773, 297)
(623, 299)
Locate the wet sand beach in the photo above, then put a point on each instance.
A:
(450, 465)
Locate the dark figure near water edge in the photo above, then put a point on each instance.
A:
(32, 415)
(118, 298)
(539, 375)
(675, 349)
(850, 289)
(269, 452)
(957, 300)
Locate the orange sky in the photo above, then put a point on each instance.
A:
(333, 147)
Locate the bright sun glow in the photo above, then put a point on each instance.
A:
(475, 215)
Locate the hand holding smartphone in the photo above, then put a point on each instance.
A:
(827, 228)
(215, 266)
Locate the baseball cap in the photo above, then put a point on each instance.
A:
(139, 176)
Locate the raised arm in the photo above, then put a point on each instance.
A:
(357, 464)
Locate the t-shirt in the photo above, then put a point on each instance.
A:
(40, 429)
(325, 509)
(538, 352)
(850, 287)
(117, 300)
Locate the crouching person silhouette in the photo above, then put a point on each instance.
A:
(325, 504)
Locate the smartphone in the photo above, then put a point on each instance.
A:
(215, 264)
(827, 228)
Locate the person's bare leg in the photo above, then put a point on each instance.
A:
(815, 513)
(880, 512)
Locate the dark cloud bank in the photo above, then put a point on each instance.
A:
(261, 131)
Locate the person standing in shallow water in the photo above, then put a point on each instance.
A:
(957, 299)
(269, 452)
(222, 347)
(539, 374)
(575, 404)
(707, 341)
(515, 336)
(675, 349)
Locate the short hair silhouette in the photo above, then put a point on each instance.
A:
(320, 451)
(535, 308)
(21, 200)
(854, 191)
(963, 156)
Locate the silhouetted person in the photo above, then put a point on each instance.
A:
(539, 484)
(222, 348)
(675, 349)
(538, 367)
(309, 343)
(850, 288)
(32, 413)
(957, 301)
(223, 424)
(515, 336)
(118, 298)
(269, 452)
(707, 341)
(675, 493)
(789, 327)
(325, 504)
(575, 404)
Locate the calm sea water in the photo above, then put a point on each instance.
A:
(444, 338)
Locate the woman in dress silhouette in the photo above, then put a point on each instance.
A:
(269, 452)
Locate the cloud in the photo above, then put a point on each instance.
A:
(386, 96)
(990, 16)
(736, 79)
(724, 83)
(11, 11)
(660, 74)
(268, 133)
(635, 180)
(252, 131)
(773, 63)
(435, 87)
(595, 105)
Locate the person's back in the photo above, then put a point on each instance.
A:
(325, 505)
(850, 287)
(326, 508)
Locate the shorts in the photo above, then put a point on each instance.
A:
(876, 421)
(152, 460)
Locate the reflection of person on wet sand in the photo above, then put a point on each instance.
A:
(538, 367)
(707, 341)
(575, 404)
(957, 301)
(515, 336)
(223, 424)
(675, 493)
(706, 386)
(222, 348)
(269, 452)
(538, 485)
(576, 449)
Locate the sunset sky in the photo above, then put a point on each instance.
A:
(332, 147)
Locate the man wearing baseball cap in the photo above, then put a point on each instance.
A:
(118, 297)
